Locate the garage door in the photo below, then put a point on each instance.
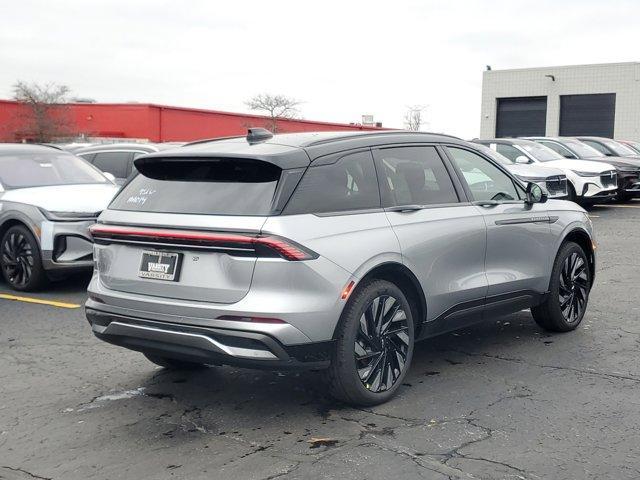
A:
(587, 115)
(521, 116)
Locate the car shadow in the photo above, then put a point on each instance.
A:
(73, 284)
(227, 399)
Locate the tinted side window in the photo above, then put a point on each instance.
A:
(116, 163)
(509, 151)
(597, 146)
(413, 176)
(348, 184)
(564, 151)
(485, 180)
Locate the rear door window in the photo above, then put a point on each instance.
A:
(561, 149)
(116, 163)
(202, 186)
(348, 184)
(509, 151)
(597, 146)
(413, 176)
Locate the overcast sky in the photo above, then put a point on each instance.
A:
(342, 58)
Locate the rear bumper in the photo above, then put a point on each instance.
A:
(207, 345)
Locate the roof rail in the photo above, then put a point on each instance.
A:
(371, 133)
(50, 145)
(207, 140)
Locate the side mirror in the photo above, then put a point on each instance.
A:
(536, 194)
(522, 159)
(110, 176)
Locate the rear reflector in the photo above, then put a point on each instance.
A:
(282, 247)
(347, 290)
(235, 318)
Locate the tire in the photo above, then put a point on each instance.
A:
(564, 307)
(383, 358)
(21, 260)
(173, 364)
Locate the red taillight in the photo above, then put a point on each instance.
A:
(285, 248)
(235, 318)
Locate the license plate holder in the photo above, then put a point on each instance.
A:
(159, 265)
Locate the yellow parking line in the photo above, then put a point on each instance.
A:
(39, 301)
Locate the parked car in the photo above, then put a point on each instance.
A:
(628, 168)
(48, 200)
(552, 179)
(332, 250)
(609, 147)
(117, 158)
(589, 181)
(635, 146)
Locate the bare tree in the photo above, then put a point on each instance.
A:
(413, 118)
(275, 107)
(46, 116)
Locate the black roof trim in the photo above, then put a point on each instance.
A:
(376, 134)
(211, 140)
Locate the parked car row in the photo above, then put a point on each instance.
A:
(597, 169)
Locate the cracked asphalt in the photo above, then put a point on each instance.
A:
(500, 400)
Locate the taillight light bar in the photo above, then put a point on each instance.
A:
(283, 247)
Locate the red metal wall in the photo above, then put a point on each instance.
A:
(157, 123)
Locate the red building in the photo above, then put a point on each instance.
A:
(156, 123)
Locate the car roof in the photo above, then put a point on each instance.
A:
(292, 150)
(147, 147)
(553, 139)
(505, 141)
(595, 139)
(8, 148)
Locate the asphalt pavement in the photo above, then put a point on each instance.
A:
(500, 400)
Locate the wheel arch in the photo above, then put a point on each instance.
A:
(18, 220)
(582, 238)
(400, 275)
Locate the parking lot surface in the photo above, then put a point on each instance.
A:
(499, 400)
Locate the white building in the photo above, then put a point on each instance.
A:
(601, 100)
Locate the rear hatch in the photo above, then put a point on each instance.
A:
(190, 229)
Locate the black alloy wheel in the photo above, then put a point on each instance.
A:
(382, 344)
(564, 307)
(374, 342)
(20, 259)
(574, 288)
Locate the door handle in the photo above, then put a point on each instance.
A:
(487, 203)
(405, 208)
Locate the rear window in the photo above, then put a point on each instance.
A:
(202, 186)
(115, 163)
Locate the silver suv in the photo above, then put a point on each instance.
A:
(332, 251)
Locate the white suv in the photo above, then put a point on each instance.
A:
(589, 181)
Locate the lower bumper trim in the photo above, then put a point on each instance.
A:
(207, 345)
